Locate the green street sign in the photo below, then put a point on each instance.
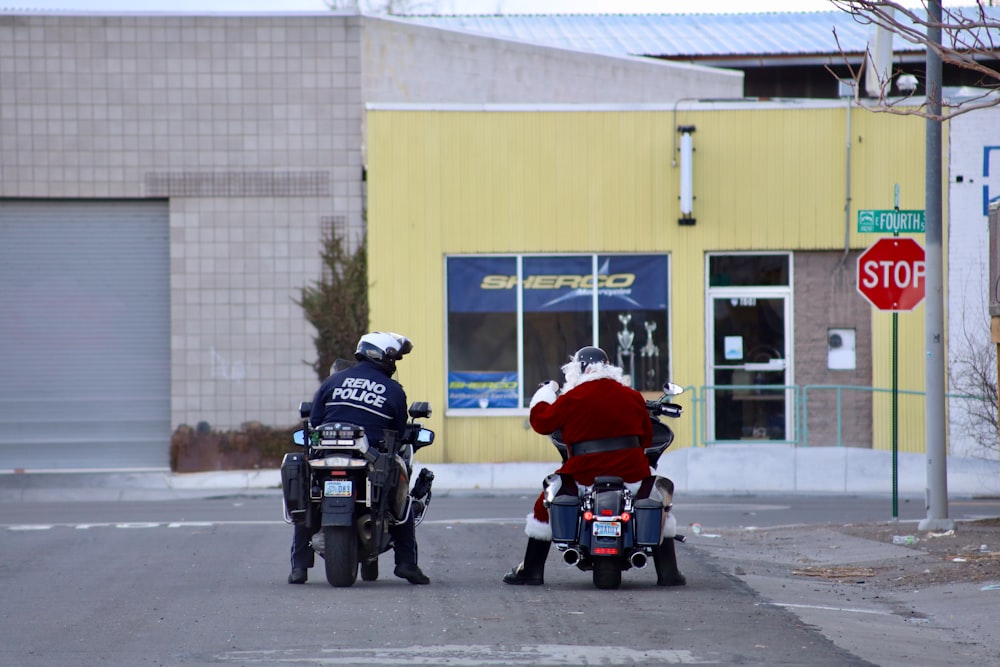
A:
(891, 221)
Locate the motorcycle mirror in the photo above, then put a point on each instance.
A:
(420, 409)
(671, 389)
(424, 437)
(299, 437)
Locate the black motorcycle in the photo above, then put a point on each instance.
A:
(605, 527)
(351, 491)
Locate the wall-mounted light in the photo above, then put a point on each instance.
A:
(687, 186)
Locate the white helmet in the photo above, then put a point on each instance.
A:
(383, 349)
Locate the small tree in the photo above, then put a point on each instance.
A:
(972, 372)
(337, 304)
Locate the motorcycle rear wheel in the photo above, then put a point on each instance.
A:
(340, 555)
(607, 573)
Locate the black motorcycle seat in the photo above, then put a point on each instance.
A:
(608, 480)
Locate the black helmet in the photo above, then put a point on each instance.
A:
(590, 355)
(383, 349)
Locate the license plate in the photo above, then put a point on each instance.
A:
(607, 529)
(338, 488)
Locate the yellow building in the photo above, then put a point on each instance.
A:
(503, 238)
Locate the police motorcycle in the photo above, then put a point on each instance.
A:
(605, 527)
(354, 490)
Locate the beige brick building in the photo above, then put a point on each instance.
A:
(165, 181)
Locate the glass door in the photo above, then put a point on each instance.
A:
(749, 367)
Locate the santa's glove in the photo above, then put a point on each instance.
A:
(546, 393)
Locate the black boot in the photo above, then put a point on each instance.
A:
(665, 560)
(411, 573)
(531, 570)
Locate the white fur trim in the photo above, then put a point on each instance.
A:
(536, 529)
(544, 394)
(575, 378)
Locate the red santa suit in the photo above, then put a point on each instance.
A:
(593, 405)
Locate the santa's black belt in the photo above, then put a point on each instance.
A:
(604, 445)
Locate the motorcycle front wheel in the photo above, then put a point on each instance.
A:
(340, 555)
(607, 573)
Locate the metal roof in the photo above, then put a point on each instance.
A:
(685, 36)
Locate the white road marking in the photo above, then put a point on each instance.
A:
(822, 608)
(470, 656)
(190, 524)
(475, 521)
(203, 524)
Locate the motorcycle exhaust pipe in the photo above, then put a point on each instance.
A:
(571, 557)
(365, 527)
(638, 559)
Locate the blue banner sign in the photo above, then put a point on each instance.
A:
(557, 284)
(482, 389)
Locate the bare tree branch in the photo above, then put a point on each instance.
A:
(969, 40)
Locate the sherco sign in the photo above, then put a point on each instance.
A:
(891, 221)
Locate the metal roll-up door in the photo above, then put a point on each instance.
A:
(84, 335)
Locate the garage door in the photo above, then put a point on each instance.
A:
(84, 335)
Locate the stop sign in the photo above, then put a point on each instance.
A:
(891, 274)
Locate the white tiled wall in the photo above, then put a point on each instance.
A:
(970, 136)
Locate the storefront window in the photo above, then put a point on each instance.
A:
(513, 321)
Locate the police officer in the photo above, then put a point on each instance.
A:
(365, 394)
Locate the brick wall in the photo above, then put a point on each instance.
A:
(826, 297)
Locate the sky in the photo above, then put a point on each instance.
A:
(439, 6)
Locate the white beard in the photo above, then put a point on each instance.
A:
(574, 378)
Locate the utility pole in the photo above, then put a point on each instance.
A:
(937, 461)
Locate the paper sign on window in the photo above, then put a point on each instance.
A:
(733, 347)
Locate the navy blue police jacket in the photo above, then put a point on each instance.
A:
(364, 395)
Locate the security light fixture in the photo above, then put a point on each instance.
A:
(906, 83)
(687, 187)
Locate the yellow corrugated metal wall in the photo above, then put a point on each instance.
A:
(446, 182)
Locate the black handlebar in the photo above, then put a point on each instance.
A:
(667, 409)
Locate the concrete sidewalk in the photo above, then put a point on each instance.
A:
(718, 469)
(853, 599)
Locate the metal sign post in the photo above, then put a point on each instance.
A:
(891, 277)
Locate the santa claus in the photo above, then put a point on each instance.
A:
(606, 427)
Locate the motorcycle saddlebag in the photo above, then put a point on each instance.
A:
(648, 521)
(295, 485)
(564, 518)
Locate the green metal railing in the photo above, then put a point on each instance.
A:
(701, 399)
(797, 402)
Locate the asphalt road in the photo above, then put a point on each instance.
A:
(202, 582)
